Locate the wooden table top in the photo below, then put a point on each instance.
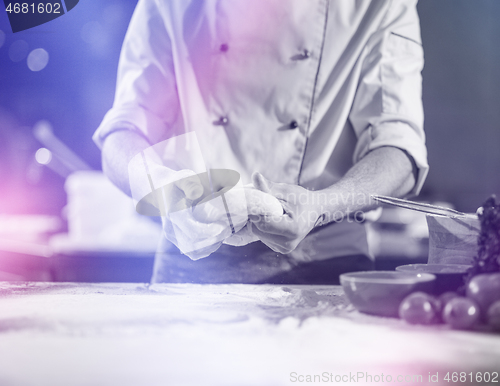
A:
(185, 334)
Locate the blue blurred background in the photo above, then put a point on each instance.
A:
(75, 89)
(73, 92)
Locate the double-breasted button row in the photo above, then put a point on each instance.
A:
(224, 121)
(305, 54)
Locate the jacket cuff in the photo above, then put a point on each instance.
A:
(133, 118)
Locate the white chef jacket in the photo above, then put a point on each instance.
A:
(298, 90)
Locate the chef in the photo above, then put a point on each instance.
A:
(317, 103)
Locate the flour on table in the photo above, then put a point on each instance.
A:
(291, 297)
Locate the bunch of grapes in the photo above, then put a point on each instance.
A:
(480, 296)
(487, 259)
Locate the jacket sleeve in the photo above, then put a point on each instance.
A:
(387, 108)
(146, 98)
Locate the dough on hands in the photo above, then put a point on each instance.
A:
(192, 236)
(253, 201)
(210, 210)
(243, 237)
(260, 203)
(241, 202)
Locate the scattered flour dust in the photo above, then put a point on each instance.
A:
(285, 296)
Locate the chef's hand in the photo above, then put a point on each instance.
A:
(185, 191)
(301, 212)
(196, 229)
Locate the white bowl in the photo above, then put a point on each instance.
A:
(381, 292)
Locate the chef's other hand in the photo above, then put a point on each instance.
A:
(283, 233)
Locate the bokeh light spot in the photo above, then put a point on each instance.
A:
(2, 38)
(92, 32)
(97, 37)
(38, 59)
(43, 156)
(18, 50)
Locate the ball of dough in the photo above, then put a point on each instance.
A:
(257, 203)
(261, 203)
